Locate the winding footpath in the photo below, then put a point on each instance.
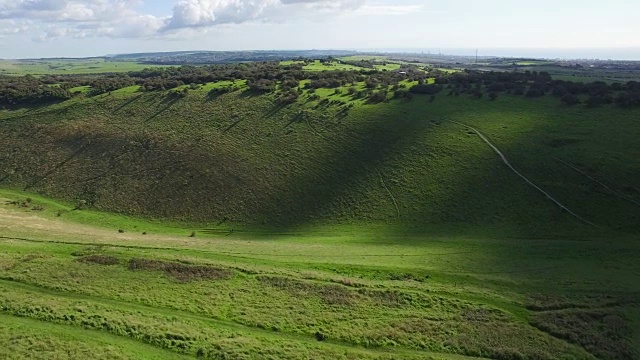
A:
(531, 183)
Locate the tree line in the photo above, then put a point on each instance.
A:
(267, 77)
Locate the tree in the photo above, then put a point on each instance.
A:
(570, 99)
(378, 97)
(428, 89)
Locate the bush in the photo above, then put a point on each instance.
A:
(378, 97)
(181, 272)
(428, 89)
(570, 99)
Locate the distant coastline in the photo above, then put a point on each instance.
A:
(603, 54)
(620, 54)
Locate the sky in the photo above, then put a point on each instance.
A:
(541, 28)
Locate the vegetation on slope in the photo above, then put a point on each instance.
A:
(239, 157)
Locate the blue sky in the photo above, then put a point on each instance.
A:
(45, 28)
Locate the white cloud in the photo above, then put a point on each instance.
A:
(198, 13)
(120, 18)
(203, 13)
(12, 27)
(386, 10)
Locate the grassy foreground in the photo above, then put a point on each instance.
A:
(341, 292)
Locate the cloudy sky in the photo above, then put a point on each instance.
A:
(45, 28)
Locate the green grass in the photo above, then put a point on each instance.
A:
(67, 66)
(318, 66)
(388, 66)
(364, 58)
(80, 89)
(277, 163)
(24, 338)
(66, 210)
(221, 84)
(290, 62)
(447, 70)
(388, 228)
(371, 295)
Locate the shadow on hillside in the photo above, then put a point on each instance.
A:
(437, 173)
(127, 103)
(398, 163)
(337, 179)
(168, 101)
(472, 185)
(32, 107)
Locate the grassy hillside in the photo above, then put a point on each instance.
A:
(240, 227)
(245, 160)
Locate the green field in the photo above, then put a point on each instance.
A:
(367, 294)
(67, 66)
(365, 58)
(316, 65)
(228, 225)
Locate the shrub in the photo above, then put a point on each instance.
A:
(428, 89)
(179, 271)
(570, 99)
(378, 97)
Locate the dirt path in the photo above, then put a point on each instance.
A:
(531, 183)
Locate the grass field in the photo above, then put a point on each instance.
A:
(364, 295)
(232, 226)
(316, 65)
(67, 66)
(364, 58)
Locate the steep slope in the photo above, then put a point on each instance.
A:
(247, 160)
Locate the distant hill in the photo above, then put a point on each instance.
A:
(220, 57)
